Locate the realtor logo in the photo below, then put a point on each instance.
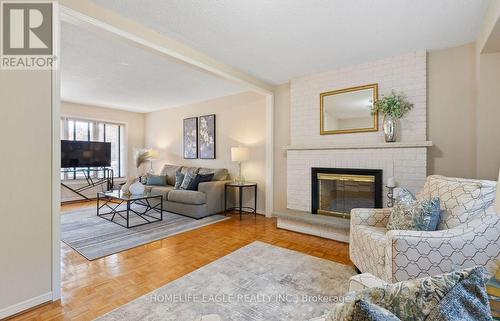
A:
(26, 35)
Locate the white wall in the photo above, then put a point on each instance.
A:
(452, 100)
(405, 72)
(281, 139)
(26, 189)
(240, 121)
(488, 117)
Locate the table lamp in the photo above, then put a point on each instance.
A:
(152, 155)
(240, 154)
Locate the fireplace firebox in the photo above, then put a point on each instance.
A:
(335, 191)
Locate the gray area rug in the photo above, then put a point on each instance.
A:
(94, 237)
(259, 282)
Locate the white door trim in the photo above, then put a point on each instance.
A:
(56, 157)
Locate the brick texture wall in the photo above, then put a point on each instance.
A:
(408, 165)
(406, 73)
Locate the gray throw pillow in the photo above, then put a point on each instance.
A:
(366, 311)
(409, 213)
(188, 177)
(179, 177)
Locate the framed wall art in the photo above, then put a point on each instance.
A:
(206, 137)
(190, 138)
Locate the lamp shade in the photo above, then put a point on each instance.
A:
(152, 154)
(239, 154)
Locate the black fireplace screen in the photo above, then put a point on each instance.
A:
(336, 191)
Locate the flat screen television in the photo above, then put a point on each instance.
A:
(76, 153)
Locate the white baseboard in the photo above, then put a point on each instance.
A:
(25, 305)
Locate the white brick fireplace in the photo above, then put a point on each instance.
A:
(405, 160)
(407, 165)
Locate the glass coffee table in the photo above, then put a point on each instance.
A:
(129, 210)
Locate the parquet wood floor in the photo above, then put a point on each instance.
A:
(93, 288)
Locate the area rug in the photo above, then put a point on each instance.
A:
(94, 237)
(259, 282)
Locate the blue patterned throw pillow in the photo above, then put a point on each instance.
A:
(366, 311)
(188, 177)
(404, 195)
(409, 213)
(455, 296)
(179, 177)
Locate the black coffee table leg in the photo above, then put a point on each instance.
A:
(255, 202)
(128, 210)
(241, 201)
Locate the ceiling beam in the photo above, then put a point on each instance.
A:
(86, 12)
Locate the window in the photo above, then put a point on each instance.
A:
(90, 130)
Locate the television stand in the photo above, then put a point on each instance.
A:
(91, 180)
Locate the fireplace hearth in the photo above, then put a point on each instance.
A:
(335, 191)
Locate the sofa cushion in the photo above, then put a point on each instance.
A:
(163, 190)
(187, 197)
(220, 174)
(461, 199)
(169, 171)
(187, 169)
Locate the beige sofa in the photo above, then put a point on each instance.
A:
(207, 200)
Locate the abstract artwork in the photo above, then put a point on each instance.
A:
(191, 138)
(206, 137)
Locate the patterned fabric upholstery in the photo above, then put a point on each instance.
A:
(416, 300)
(417, 254)
(371, 256)
(461, 199)
(364, 281)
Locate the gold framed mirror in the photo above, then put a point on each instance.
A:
(348, 110)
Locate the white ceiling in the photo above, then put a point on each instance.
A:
(99, 69)
(277, 40)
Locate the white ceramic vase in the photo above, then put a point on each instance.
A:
(136, 188)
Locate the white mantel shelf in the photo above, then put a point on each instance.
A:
(362, 146)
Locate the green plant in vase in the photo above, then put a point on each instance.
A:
(394, 107)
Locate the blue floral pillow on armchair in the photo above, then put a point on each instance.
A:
(409, 213)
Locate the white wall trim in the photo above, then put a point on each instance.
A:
(25, 305)
(56, 158)
(269, 154)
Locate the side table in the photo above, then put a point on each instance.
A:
(240, 206)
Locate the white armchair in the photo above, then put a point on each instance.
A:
(468, 234)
